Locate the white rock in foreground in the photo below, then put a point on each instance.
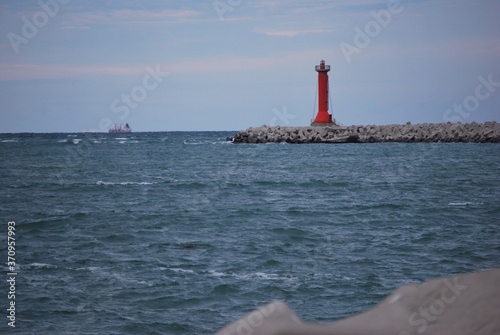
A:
(461, 305)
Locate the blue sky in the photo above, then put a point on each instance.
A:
(69, 65)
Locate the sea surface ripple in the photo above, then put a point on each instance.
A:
(182, 232)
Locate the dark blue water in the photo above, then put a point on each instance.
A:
(182, 233)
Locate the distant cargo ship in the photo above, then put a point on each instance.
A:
(120, 128)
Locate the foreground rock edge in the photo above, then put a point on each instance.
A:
(488, 132)
(460, 305)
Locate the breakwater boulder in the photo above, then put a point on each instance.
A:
(488, 132)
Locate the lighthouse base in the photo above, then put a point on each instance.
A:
(323, 124)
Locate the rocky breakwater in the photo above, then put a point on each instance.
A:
(488, 132)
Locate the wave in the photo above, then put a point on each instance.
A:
(185, 142)
(39, 266)
(193, 143)
(217, 273)
(261, 275)
(190, 185)
(465, 203)
(178, 270)
(45, 219)
(100, 182)
(251, 276)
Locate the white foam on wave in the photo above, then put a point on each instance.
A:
(90, 268)
(121, 277)
(100, 182)
(465, 203)
(268, 276)
(77, 140)
(181, 270)
(217, 274)
(261, 275)
(10, 141)
(41, 265)
(250, 276)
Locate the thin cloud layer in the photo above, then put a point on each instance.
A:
(292, 33)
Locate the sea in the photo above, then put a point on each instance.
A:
(185, 232)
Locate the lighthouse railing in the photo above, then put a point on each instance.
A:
(325, 68)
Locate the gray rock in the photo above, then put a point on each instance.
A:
(466, 304)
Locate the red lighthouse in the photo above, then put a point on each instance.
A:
(323, 118)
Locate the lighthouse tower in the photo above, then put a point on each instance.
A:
(323, 118)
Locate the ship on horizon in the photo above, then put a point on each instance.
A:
(120, 128)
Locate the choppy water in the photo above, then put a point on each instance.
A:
(182, 233)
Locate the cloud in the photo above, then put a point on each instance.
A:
(311, 6)
(292, 33)
(86, 20)
(231, 64)
(219, 64)
(70, 27)
(22, 71)
(154, 15)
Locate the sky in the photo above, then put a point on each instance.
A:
(186, 65)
